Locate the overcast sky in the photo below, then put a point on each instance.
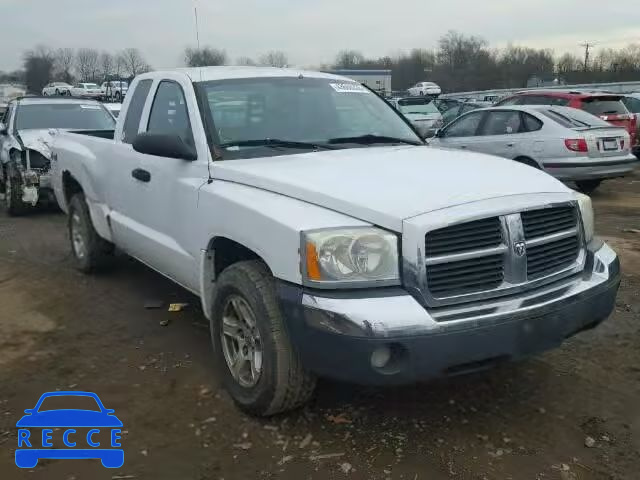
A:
(311, 32)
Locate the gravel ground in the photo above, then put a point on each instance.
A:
(573, 413)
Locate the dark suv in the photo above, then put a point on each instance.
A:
(607, 106)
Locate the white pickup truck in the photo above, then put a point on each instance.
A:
(324, 238)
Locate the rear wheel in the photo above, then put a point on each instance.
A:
(588, 186)
(90, 251)
(260, 368)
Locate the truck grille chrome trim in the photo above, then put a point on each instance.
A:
(502, 255)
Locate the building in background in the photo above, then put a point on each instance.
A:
(378, 80)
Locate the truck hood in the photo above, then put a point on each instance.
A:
(385, 185)
(38, 140)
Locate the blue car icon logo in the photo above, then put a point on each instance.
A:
(36, 429)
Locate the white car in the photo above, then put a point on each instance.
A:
(86, 90)
(425, 88)
(115, 89)
(56, 88)
(324, 238)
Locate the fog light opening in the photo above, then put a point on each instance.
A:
(380, 357)
(389, 359)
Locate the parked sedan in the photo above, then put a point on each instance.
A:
(87, 90)
(570, 144)
(56, 88)
(425, 88)
(607, 106)
(421, 112)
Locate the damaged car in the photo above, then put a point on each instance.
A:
(26, 131)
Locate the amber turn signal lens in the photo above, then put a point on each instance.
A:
(313, 268)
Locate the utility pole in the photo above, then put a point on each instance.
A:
(586, 46)
(195, 9)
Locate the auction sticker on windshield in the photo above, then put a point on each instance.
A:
(349, 88)
(53, 430)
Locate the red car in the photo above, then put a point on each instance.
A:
(607, 106)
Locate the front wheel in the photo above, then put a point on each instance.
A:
(260, 368)
(13, 192)
(90, 251)
(588, 186)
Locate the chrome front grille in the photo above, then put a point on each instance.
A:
(538, 223)
(483, 233)
(465, 276)
(501, 255)
(547, 258)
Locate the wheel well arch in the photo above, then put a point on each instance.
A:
(221, 253)
(527, 161)
(70, 186)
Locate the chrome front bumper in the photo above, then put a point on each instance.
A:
(337, 335)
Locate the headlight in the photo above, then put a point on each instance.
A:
(350, 257)
(586, 211)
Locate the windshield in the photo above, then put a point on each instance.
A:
(63, 115)
(305, 110)
(417, 106)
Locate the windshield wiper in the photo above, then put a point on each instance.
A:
(276, 142)
(371, 139)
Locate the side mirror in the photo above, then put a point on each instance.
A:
(164, 145)
(29, 411)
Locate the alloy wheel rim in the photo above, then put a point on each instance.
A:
(76, 236)
(241, 342)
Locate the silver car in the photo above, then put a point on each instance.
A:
(421, 112)
(570, 144)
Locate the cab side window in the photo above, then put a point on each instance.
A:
(169, 113)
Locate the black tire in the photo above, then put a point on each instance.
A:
(14, 205)
(96, 253)
(588, 186)
(283, 383)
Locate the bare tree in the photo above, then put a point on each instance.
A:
(275, 58)
(349, 59)
(245, 61)
(107, 65)
(87, 64)
(133, 63)
(204, 57)
(38, 68)
(570, 63)
(64, 59)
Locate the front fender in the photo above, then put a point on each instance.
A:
(267, 223)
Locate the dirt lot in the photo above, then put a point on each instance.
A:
(62, 330)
